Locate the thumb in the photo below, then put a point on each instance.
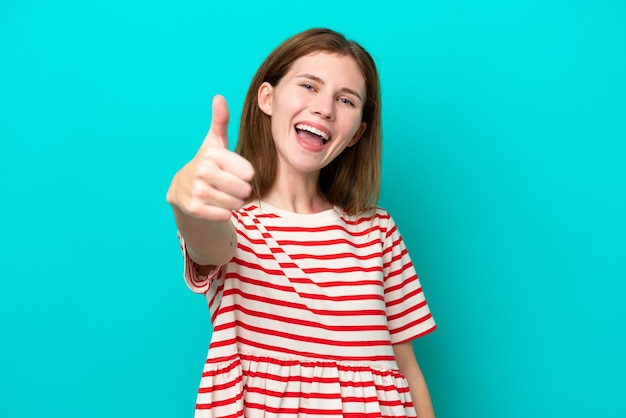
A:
(218, 132)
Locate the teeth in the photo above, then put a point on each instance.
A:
(311, 129)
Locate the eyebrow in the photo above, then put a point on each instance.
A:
(319, 80)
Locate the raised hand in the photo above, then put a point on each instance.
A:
(216, 181)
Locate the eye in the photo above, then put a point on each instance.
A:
(307, 86)
(346, 101)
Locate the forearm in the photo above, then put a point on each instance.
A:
(421, 397)
(208, 242)
(407, 363)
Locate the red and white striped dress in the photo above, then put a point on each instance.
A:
(305, 314)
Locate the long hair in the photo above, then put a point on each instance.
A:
(352, 180)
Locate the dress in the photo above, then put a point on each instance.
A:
(305, 314)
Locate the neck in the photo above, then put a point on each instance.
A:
(299, 194)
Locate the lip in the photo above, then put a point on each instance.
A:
(318, 127)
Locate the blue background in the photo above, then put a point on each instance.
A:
(504, 165)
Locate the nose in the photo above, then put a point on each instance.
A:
(324, 107)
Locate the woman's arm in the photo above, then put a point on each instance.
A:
(407, 363)
(209, 243)
(205, 191)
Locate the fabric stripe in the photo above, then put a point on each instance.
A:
(305, 315)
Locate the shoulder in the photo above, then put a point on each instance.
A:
(374, 220)
(252, 209)
(376, 214)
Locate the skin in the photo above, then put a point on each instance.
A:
(407, 363)
(205, 191)
(324, 91)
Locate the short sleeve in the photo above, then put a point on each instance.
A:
(408, 314)
(196, 282)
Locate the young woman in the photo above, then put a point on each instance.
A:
(313, 297)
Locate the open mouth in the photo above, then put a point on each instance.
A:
(311, 134)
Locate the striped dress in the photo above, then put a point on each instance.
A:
(305, 314)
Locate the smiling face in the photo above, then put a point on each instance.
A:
(316, 111)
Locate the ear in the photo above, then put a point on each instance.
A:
(264, 98)
(358, 134)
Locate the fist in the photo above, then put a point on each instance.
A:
(216, 181)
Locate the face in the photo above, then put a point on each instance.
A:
(316, 111)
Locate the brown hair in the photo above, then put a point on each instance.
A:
(352, 180)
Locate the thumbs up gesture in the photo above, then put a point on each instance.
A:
(216, 181)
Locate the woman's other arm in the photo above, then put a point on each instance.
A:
(407, 363)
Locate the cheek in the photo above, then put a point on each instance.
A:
(355, 126)
(280, 125)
